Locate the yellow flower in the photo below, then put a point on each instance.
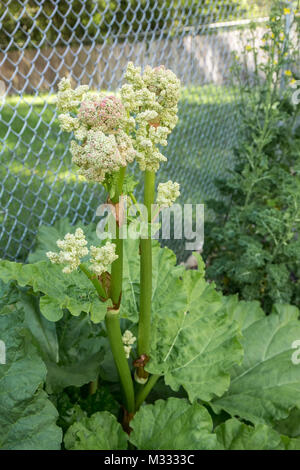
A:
(275, 62)
(286, 54)
(248, 48)
(292, 81)
(286, 11)
(281, 36)
(272, 35)
(288, 73)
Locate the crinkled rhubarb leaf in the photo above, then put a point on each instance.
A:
(62, 291)
(267, 385)
(71, 348)
(290, 425)
(173, 424)
(290, 444)
(80, 349)
(27, 417)
(195, 346)
(99, 432)
(235, 435)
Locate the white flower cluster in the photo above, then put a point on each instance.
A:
(72, 249)
(167, 193)
(68, 99)
(101, 112)
(101, 126)
(102, 154)
(128, 340)
(101, 258)
(152, 97)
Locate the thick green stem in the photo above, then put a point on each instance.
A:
(144, 392)
(146, 272)
(112, 317)
(94, 280)
(117, 266)
(115, 339)
(117, 271)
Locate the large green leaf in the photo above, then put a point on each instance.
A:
(72, 348)
(290, 425)
(195, 346)
(235, 435)
(27, 417)
(99, 432)
(267, 385)
(72, 291)
(289, 443)
(173, 424)
(42, 330)
(9, 294)
(81, 350)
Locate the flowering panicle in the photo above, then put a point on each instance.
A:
(100, 126)
(104, 128)
(167, 193)
(72, 249)
(152, 97)
(128, 340)
(102, 258)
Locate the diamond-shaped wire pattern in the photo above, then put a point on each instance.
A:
(91, 41)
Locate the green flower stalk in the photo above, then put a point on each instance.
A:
(146, 281)
(152, 97)
(112, 320)
(109, 134)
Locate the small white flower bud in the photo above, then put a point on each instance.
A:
(128, 341)
(102, 258)
(167, 193)
(72, 249)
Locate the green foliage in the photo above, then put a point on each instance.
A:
(291, 425)
(266, 387)
(73, 292)
(154, 425)
(99, 432)
(252, 246)
(27, 417)
(206, 346)
(235, 435)
(200, 342)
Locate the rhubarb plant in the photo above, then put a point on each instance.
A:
(110, 344)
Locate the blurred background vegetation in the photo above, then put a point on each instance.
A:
(94, 20)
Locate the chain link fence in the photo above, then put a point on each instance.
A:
(91, 41)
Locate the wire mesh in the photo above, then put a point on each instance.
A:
(91, 41)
